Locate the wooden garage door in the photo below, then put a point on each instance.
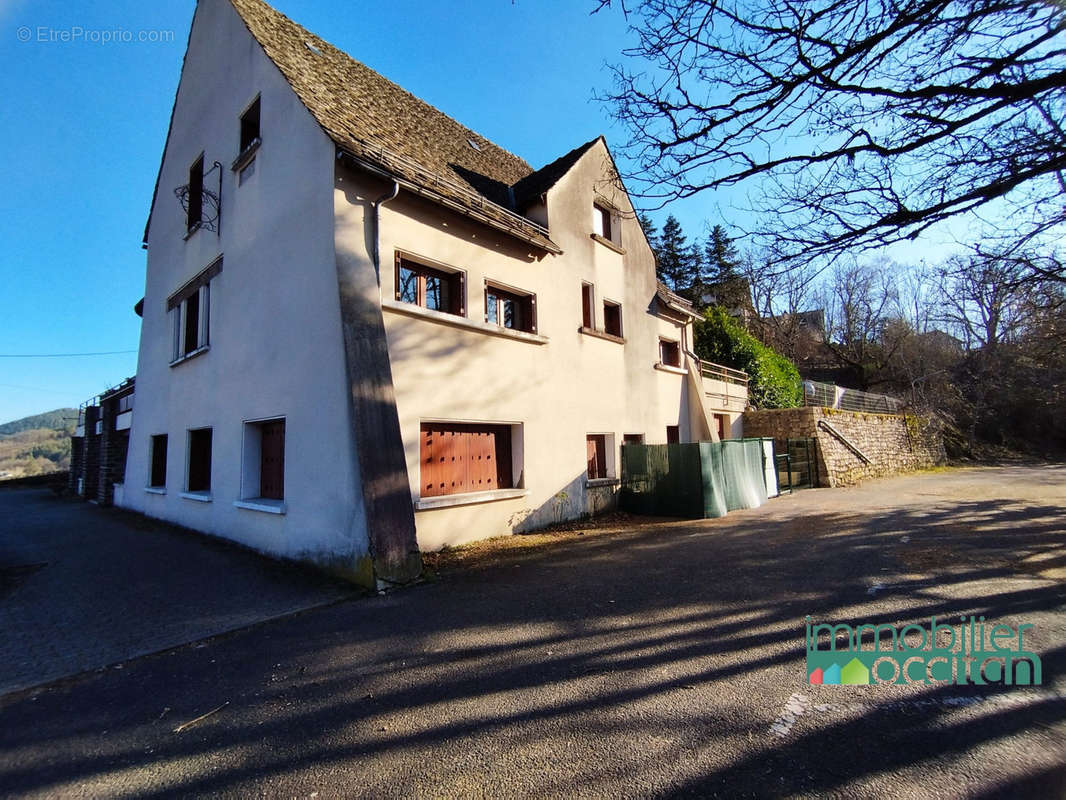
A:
(459, 458)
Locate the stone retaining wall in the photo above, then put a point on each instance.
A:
(893, 443)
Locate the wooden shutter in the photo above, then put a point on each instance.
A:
(596, 452)
(673, 434)
(159, 460)
(200, 460)
(458, 458)
(272, 460)
(586, 305)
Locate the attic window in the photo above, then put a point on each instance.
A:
(474, 144)
(250, 126)
(312, 48)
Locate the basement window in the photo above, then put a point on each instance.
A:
(460, 458)
(157, 475)
(199, 473)
(599, 453)
(437, 288)
(510, 308)
(263, 474)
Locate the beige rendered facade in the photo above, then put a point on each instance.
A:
(382, 343)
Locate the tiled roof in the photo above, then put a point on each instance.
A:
(529, 188)
(377, 122)
(675, 300)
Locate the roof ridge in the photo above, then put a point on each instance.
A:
(237, 5)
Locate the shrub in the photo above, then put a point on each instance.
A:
(774, 381)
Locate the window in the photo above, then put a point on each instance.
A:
(587, 319)
(669, 353)
(438, 289)
(250, 126)
(673, 434)
(722, 421)
(191, 307)
(599, 453)
(158, 474)
(263, 475)
(601, 221)
(196, 195)
(510, 309)
(612, 318)
(457, 458)
(199, 478)
(632, 438)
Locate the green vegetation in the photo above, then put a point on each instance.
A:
(774, 380)
(37, 445)
(62, 419)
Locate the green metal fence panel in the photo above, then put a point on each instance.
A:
(705, 479)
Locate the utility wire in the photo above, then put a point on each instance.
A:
(65, 355)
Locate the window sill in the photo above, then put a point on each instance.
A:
(155, 489)
(190, 355)
(462, 322)
(592, 483)
(245, 158)
(610, 337)
(669, 368)
(608, 243)
(199, 497)
(447, 500)
(262, 504)
(189, 233)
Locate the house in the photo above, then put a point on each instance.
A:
(368, 330)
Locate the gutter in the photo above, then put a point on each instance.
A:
(360, 163)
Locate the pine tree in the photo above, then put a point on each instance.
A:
(721, 256)
(674, 264)
(650, 231)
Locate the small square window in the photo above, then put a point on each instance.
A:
(669, 353)
(600, 455)
(510, 308)
(433, 288)
(199, 477)
(632, 438)
(673, 434)
(612, 318)
(158, 474)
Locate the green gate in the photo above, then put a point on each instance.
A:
(797, 464)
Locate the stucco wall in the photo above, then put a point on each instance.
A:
(558, 387)
(893, 443)
(275, 341)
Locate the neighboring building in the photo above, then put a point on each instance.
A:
(99, 446)
(367, 329)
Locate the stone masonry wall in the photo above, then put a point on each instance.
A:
(893, 443)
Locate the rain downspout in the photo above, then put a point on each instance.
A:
(385, 198)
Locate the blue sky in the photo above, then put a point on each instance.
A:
(85, 124)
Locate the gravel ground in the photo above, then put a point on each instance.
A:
(657, 660)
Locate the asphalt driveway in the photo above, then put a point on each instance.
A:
(83, 587)
(660, 660)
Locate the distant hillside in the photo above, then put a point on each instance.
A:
(37, 445)
(62, 419)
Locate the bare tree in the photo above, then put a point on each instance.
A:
(986, 300)
(860, 123)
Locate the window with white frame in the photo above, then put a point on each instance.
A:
(190, 308)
